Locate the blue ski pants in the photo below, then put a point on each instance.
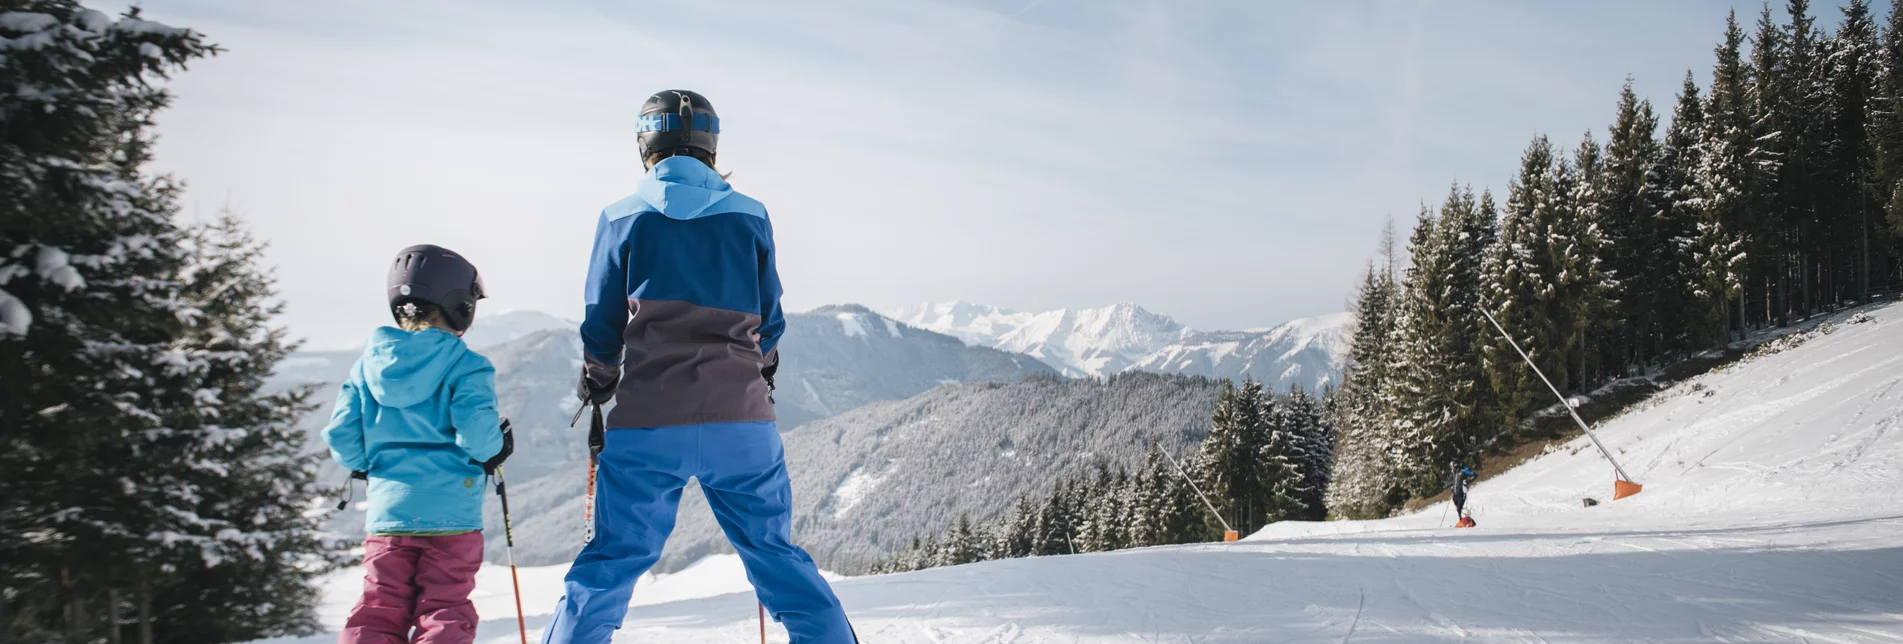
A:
(742, 469)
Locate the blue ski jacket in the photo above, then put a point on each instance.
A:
(683, 301)
(416, 409)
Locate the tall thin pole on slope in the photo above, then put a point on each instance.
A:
(1562, 398)
(1228, 533)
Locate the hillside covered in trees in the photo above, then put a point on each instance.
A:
(1771, 196)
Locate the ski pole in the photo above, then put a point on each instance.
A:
(597, 439)
(508, 536)
(762, 623)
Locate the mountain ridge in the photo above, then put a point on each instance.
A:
(1125, 337)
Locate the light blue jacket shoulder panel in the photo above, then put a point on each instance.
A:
(683, 188)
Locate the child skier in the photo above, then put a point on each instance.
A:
(683, 316)
(1463, 477)
(417, 420)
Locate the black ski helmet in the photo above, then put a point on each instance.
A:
(677, 118)
(439, 277)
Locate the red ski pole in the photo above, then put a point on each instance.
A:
(597, 440)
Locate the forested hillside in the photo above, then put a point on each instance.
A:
(869, 480)
(1771, 196)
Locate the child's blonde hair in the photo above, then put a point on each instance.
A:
(417, 316)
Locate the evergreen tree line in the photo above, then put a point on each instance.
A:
(150, 491)
(1773, 195)
(1267, 458)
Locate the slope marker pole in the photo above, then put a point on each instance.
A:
(1228, 533)
(1619, 490)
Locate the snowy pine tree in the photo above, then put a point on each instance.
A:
(1852, 69)
(1627, 214)
(1150, 494)
(1315, 437)
(152, 477)
(1362, 483)
(1232, 458)
(240, 525)
(1724, 177)
(961, 545)
(1279, 475)
(1056, 526)
(1670, 273)
(1886, 125)
(1520, 287)
(1581, 288)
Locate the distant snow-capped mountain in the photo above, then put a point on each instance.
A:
(508, 326)
(1078, 342)
(1126, 337)
(1306, 352)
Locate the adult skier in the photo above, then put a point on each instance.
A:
(1463, 476)
(680, 332)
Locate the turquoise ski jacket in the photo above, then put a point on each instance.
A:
(416, 409)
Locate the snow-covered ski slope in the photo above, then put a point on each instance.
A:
(1773, 512)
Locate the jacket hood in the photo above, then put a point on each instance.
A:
(684, 188)
(404, 368)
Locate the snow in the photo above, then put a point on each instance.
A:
(854, 489)
(852, 325)
(891, 328)
(15, 318)
(1126, 337)
(1770, 514)
(813, 394)
(134, 26)
(975, 324)
(55, 266)
(494, 596)
(24, 21)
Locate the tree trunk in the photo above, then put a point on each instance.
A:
(112, 616)
(69, 609)
(1783, 290)
(145, 614)
(1863, 242)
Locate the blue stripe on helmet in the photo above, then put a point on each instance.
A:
(668, 122)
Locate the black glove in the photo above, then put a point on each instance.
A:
(592, 393)
(343, 498)
(508, 447)
(768, 374)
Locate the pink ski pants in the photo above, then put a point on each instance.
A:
(419, 583)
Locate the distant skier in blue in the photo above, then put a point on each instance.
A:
(683, 317)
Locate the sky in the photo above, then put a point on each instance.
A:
(1230, 164)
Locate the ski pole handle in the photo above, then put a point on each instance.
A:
(597, 432)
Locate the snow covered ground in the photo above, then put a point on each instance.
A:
(1773, 512)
